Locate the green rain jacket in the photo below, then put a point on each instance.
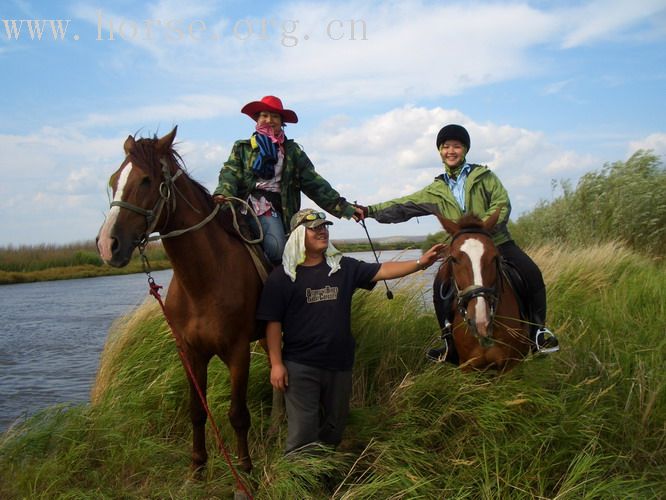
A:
(298, 174)
(484, 193)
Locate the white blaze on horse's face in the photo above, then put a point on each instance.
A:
(105, 242)
(474, 250)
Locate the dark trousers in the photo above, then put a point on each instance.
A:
(535, 295)
(317, 404)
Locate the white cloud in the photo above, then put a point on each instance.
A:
(187, 107)
(556, 87)
(399, 48)
(656, 142)
(368, 159)
(602, 19)
(569, 162)
(60, 175)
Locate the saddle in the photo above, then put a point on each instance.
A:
(519, 286)
(244, 234)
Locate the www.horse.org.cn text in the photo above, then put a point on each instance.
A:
(288, 32)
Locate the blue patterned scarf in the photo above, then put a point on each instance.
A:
(268, 143)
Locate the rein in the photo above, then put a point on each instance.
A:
(154, 290)
(167, 186)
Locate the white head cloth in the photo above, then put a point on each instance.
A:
(294, 253)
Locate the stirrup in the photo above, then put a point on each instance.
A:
(447, 330)
(438, 355)
(545, 341)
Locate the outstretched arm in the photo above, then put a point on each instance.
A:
(391, 270)
(418, 204)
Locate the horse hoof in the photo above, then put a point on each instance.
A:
(197, 469)
(240, 495)
(246, 465)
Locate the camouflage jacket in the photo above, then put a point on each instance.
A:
(298, 175)
(484, 193)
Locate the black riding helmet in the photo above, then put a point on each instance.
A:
(455, 132)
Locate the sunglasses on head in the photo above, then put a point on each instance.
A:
(314, 216)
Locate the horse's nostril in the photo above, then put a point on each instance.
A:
(114, 244)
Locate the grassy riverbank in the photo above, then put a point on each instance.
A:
(30, 263)
(586, 423)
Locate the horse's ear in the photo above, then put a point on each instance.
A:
(165, 143)
(448, 225)
(129, 144)
(490, 222)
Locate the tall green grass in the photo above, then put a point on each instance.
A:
(585, 423)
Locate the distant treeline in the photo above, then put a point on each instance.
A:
(345, 247)
(623, 202)
(28, 263)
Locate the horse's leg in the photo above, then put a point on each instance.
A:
(475, 360)
(199, 366)
(239, 416)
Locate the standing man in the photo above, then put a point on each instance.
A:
(307, 304)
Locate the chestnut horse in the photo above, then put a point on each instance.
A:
(487, 328)
(215, 286)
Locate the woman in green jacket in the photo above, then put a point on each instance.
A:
(270, 172)
(469, 188)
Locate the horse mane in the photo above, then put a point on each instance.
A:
(470, 221)
(145, 151)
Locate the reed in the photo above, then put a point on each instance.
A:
(585, 423)
(619, 202)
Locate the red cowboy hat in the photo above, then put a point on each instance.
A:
(272, 104)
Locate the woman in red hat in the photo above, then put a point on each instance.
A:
(270, 172)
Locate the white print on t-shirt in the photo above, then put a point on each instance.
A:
(326, 293)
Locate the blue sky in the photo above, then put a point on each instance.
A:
(548, 91)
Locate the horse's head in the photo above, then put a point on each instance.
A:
(141, 187)
(474, 267)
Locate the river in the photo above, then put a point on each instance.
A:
(52, 334)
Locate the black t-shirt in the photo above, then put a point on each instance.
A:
(315, 311)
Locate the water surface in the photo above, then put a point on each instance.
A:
(52, 334)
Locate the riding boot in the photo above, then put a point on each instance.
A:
(443, 294)
(543, 340)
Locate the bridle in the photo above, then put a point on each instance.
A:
(491, 294)
(166, 190)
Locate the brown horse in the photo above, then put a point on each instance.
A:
(215, 286)
(487, 329)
